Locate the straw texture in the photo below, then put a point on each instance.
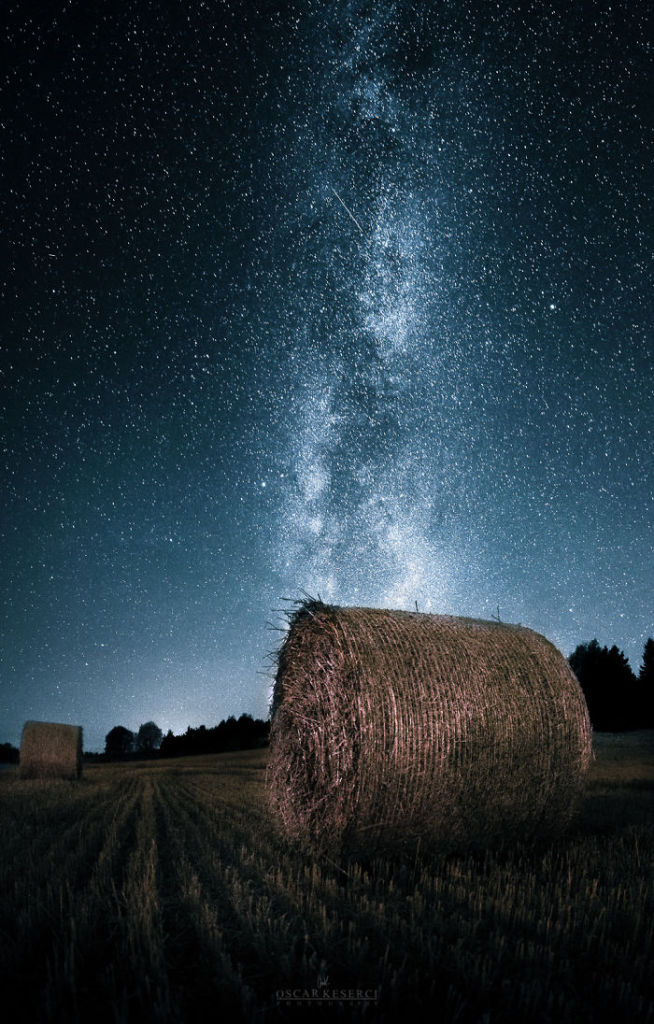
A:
(50, 750)
(391, 726)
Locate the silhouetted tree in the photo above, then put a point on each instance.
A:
(646, 681)
(8, 754)
(243, 733)
(609, 685)
(119, 742)
(167, 748)
(148, 738)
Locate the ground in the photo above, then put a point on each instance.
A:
(162, 891)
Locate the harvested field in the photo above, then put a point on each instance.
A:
(160, 891)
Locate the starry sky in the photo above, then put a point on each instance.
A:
(349, 298)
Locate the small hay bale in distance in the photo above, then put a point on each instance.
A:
(390, 727)
(50, 750)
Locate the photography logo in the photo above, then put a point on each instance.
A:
(326, 994)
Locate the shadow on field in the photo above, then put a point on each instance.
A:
(612, 807)
(620, 786)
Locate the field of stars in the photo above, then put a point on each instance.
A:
(352, 299)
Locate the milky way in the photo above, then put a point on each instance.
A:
(352, 299)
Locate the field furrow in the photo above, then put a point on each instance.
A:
(163, 892)
(197, 920)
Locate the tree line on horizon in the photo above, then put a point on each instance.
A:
(243, 733)
(618, 700)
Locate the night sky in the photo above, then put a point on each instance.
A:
(344, 297)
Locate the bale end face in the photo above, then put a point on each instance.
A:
(50, 750)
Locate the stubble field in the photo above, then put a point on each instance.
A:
(160, 891)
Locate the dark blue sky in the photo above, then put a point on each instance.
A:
(355, 298)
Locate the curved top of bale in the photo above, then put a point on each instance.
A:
(392, 724)
(50, 750)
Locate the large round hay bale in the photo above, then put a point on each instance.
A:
(50, 750)
(391, 726)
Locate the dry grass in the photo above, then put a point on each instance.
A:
(160, 891)
(50, 750)
(623, 756)
(389, 727)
